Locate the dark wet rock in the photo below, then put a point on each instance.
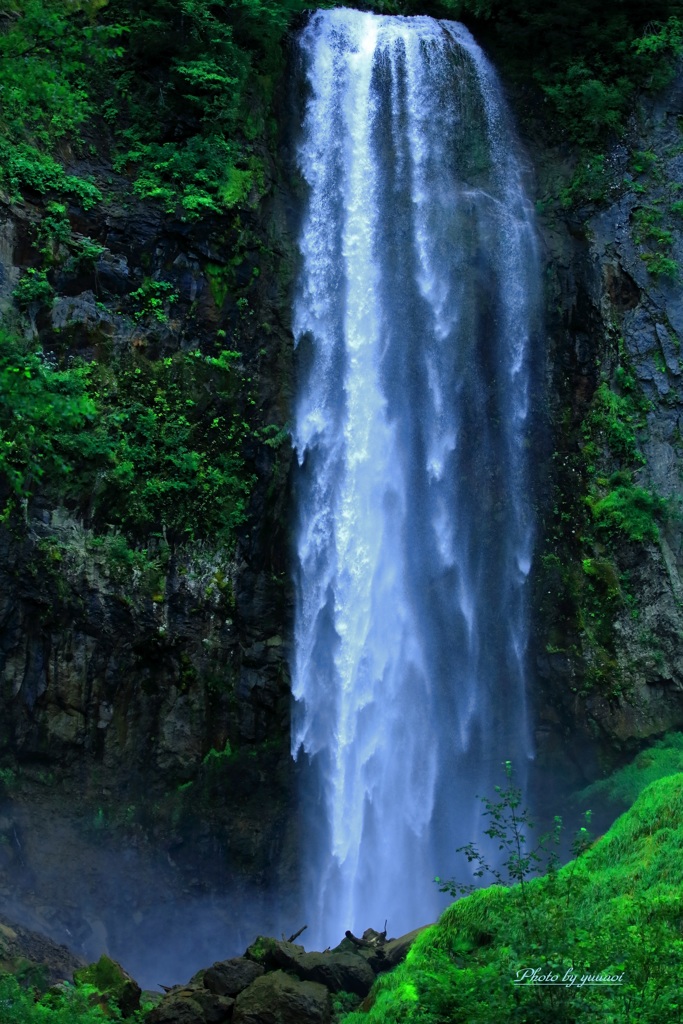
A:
(114, 684)
(339, 972)
(230, 977)
(216, 1008)
(601, 290)
(181, 1007)
(278, 998)
(113, 273)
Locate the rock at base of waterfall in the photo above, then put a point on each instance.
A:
(230, 977)
(278, 998)
(192, 1006)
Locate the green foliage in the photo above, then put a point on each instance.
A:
(581, 587)
(589, 181)
(46, 50)
(632, 511)
(146, 447)
(615, 911)
(509, 824)
(185, 88)
(69, 1005)
(661, 266)
(261, 949)
(33, 287)
(191, 97)
(152, 300)
(343, 1003)
(614, 418)
(657, 240)
(40, 405)
(591, 106)
(114, 989)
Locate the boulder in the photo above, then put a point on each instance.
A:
(230, 977)
(339, 972)
(177, 1008)
(192, 1006)
(278, 998)
(216, 1008)
(271, 953)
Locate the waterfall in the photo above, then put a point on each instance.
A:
(413, 317)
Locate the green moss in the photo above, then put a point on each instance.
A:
(110, 980)
(655, 240)
(662, 759)
(631, 511)
(216, 758)
(597, 507)
(221, 280)
(261, 950)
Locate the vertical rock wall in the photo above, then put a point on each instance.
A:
(610, 654)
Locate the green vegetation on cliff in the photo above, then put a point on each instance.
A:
(180, 90)
(615, 912)
(145, 446)
(183, 91)
(171, 103)
(599, 509)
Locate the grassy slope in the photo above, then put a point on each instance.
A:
(618, 909)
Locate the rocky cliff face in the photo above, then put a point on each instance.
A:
(145, 684)
(609, 573)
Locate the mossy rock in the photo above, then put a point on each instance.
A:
(112, 981)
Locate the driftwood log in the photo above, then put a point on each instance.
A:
(371, 939)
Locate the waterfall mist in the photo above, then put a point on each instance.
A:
(414, 319)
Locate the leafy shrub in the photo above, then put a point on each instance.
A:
(40, 406)
(215, 66)
(33, 287)
(71, 1005)
(45, 50)
(152, 299)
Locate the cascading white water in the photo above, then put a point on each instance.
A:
(413, 319)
